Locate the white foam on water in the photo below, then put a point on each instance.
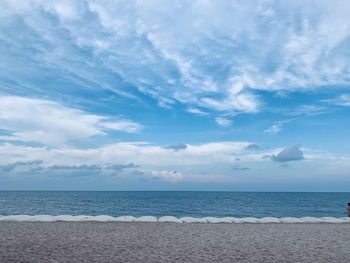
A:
(101, 218)
(334, 220)
(245, 220)
(124, 219)
(269, 220)
(291, 220)
(188, 219)
(70, 218)
(21, 218)
(172, 219)
(146, 219)
(218, 220)
(309, 219)
(169, 219)
(346, 219)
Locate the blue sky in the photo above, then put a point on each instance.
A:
(187, 95)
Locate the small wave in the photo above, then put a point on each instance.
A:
(172, 219)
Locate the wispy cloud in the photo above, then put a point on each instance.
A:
(342, 100)
(216, 57)
(275, 128)
(51, 123)
(309, 110)
(197, 111)
(121, 125)
(223, 122)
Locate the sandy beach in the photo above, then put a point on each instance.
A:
(171, 242)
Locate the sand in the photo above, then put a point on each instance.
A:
(171, 242)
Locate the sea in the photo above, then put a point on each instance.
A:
(179, 204)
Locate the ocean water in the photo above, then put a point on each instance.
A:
(176, 204)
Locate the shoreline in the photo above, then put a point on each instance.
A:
(172, 219)
(171, 242)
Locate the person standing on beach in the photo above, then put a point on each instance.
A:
(348, 209)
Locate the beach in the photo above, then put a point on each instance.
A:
(172, 242)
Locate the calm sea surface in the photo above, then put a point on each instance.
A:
(179, 204)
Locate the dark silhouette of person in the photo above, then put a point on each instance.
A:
(348, 209)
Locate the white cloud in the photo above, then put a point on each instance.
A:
(211, 162)
(148, 154)
(48, 122)
(38, 168)
(342, 100)
(275, 128)
(223, 122)
(122, 125)
(172, 176)
(215, 56)
(126, 152)
(66, 9)
(309, 110)
(197, 111)
(234, 98)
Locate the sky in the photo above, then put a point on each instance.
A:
(183, 95)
